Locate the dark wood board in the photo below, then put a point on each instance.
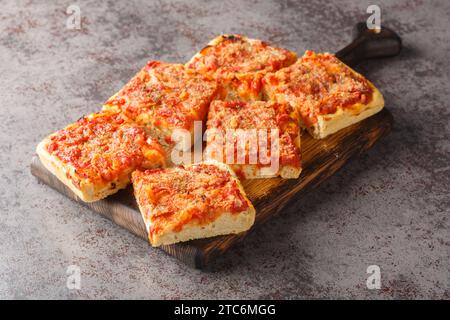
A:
(321, 159)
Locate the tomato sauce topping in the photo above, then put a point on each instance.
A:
(259, 115)
(171, 198)
(240, 63)
(318, 84)
(104, 146)
(165, 95)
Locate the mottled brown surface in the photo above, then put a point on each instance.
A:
(390, 207)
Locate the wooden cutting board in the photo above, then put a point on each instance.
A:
(320, 159)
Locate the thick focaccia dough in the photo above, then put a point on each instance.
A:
(327, 94)
(238, 64)
(94, 172)
(86, 190)
(343, 117)
(199, 211)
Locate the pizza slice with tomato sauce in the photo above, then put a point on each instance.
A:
(257, 139)
(239, 63)
(327, 94)
(95, 156)
(196, 201)
(164, 97)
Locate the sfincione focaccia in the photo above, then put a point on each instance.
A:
(164, 97)
(256, 139)
(238, 64)
(327, 94)
(96, 155)
(191, 202)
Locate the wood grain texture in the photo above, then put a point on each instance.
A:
(321, 159)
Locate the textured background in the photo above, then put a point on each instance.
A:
(390, 207)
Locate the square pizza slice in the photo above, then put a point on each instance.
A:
(239, 63)
(327, 94)
(95, 156)
(164, 97)
(191, 202)
(258, 139)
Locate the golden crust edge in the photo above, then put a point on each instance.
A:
(252, 171)
(88, 192)
(226, 223)
(344, 117)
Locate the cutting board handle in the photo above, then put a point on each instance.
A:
(369, 44)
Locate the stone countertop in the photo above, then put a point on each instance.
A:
(390, 207)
